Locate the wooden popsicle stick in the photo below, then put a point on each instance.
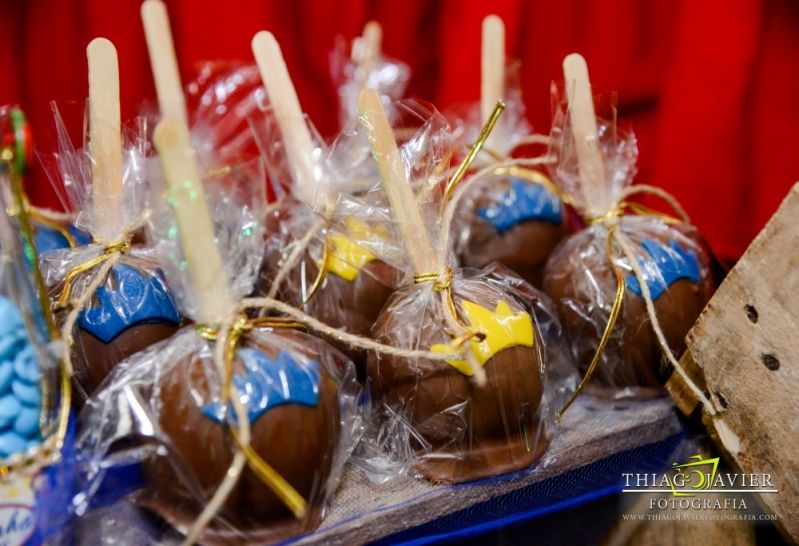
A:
(105, 137)
(403, 202)
(163, 60)
(196, 229)
(369, 49)
(492, 81)
(584, 128)
(283, 97)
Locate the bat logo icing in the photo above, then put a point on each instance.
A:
(524, 201)
(666, 264)
(135, 300)
(268, 383)
(502, 327)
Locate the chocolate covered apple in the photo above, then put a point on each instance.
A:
(480, 407)
(335, 277)
(650, 256)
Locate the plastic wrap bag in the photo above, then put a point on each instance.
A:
(221, 100)
(51, 229)
(165, 408)
(329, 274)
(115, 285)
(33, 408)
(511, 215)
(488, 407)
(388, 76)
(582, 281)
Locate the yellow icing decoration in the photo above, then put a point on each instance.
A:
(346, 258)
(502, 328)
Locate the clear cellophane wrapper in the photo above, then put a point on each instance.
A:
(512, 219)
(579, 277)
(29, 368)
(164, 408)
(221, 100)
(127, 307)
(37, 473)
(160, 409)
(334, 278)
(387, 76)
(430, 417)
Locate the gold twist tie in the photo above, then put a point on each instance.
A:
(615, 310)
(118, 247)
(485, 132)
(241, 326)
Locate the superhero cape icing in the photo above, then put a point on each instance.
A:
(136, 300)
(666, 265)
(522, 202)
(268, 383)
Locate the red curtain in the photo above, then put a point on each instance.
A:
(711, 88)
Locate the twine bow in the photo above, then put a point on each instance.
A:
(442, 283)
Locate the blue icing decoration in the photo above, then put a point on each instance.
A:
(667, 265)
(269, 383)
(524, 201)
(47, 238)
(135, 301)
(10, 443)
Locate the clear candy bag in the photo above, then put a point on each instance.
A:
(221, 100)
(437, 417)
(165, 408)
(582, 280)
(110, 295)
(34, 389)
(388, 76)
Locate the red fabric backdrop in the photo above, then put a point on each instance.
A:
(711, 88)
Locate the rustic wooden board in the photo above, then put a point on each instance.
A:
(745, 346)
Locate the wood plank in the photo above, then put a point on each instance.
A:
(747, 347)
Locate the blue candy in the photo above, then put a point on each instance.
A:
(27, 422)
(25, 366)
(6, 374)
(27, 394)
(20, 394)
(9, 345)
(9, 409)
(10, 443)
